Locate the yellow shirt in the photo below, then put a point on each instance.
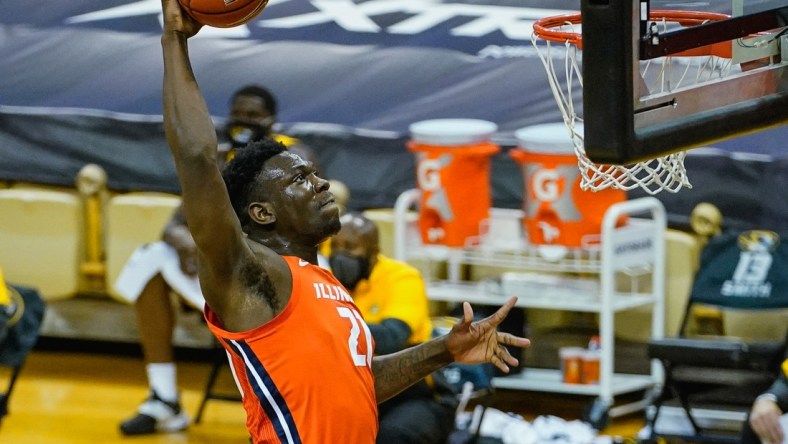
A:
(281, 138)
(395, 290)
(4, 298)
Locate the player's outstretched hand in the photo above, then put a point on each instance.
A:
(177, 20)
(477, 342)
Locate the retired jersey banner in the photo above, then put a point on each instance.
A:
(744, 270)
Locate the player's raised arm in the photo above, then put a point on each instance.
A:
(192, 139)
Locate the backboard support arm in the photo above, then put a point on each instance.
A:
(654, 45)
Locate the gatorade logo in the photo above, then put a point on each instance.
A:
(549, 232)
(549, 193)
(429, 177)
(429, 172)
(546, 186)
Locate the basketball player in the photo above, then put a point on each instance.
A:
(301, 352)
(156, 269)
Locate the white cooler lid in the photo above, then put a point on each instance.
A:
(547, 138)
(449, 132)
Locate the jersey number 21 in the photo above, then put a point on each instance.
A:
(357, 324)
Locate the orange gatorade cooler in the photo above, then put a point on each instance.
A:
(453, 174)
(557, 211)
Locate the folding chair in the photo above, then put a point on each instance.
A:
(711, 380)
(22, 333)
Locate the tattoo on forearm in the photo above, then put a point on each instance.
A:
(398, 371)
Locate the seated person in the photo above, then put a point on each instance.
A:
(392, 298)
(156, 269)
(763, 422)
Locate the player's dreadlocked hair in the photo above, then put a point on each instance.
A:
(241, 173)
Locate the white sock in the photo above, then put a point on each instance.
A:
(162, 379)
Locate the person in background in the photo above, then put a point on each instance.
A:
(763, 421)
(299, 347)
(7, 307)
(157, 269)
(392, 298)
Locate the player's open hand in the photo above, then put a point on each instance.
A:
(177, 20)
(477, 342)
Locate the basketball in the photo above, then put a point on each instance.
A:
(223, 13)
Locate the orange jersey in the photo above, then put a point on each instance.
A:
(306, 375)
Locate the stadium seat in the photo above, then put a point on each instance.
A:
(40, 240)
(133, 219)
(681, 262)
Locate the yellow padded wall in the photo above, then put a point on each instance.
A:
(134, 219)
(40, 233)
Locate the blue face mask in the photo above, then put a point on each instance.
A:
(349, 269)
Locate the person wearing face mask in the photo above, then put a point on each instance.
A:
(252, 116)
(391, 297)
(157, 269)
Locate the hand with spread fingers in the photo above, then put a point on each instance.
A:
(476, 342)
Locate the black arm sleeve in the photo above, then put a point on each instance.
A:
(390, 335)
(780, 389)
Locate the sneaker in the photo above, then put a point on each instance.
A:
(156, 415)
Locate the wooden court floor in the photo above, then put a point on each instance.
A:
(68, 397)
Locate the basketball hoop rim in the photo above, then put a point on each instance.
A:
(544, 27)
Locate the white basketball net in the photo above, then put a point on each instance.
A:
(655, 175)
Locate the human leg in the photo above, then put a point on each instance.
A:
(155, 321)
(147, 279)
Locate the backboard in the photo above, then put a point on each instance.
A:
(628, 120)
